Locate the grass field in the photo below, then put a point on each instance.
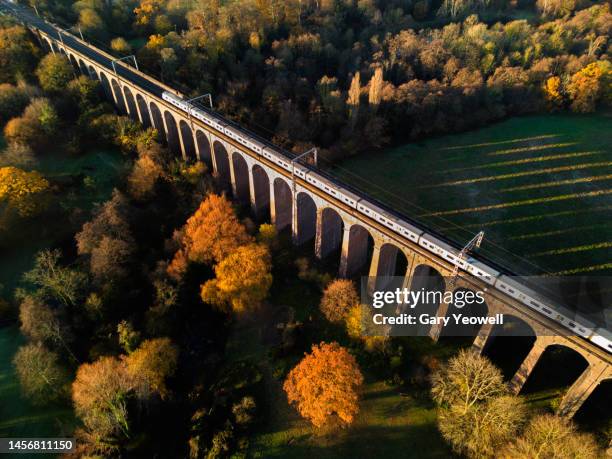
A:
(80, 182)
(539, 186)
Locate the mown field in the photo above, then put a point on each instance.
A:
(539, 186)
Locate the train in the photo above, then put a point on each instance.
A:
(433, 243)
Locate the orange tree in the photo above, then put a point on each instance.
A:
(324, 384)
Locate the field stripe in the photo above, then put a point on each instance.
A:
(584, 269)
(579, 248)
(525, 202)
(490, 178)
(592, 178)
(512, 151)
(515, 162)
(502, 142)
(531, 217)
(557, 232)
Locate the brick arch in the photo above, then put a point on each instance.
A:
(240, 178)
(283, 204)
(358, 252)
(73, 61)
(130, 102)
(157, 119)
(118, 95)
(306, 221)
(203, 148)
(261, 191)
(330, 230)
(187, 137)
(106, 86)
(172, 133)
(92, 72)
(464, 333)
(222, 167)
(83, 67)
(143, 110)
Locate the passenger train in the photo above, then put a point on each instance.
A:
(584, 328)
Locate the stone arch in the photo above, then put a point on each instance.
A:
(356, 260)
(509, 344)
(106, 86)
(131, 103)
(157, 119)
(53, 46)
(172, 134)
(240, 179)
(557, 368)
(222, 168)
(73, 61)
(187, 137)
(204, 148)
(464, 334)
(119, 101)
(145, 119)
(429, 280)
(83, 67)
(283, 204)
(595, 411)
(92, 72)
(261, 192)
(391, 267)
(62, 50)
(330, 229)
(306, 222)
(46, 43)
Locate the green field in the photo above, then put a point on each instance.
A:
(539, 186)
(79, 182)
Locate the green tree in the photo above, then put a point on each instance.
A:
(54, 72)
(41, 377)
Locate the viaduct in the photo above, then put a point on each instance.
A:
(364, 246)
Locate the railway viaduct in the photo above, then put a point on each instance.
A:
(362, 245)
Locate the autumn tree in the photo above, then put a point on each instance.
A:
(338, 298)
(590, 86)
(41, 377)
(13, 99)
(553, 91)
(243, 279)
(477, 413)
(40, 323)
(38, 124)
(354, 95)
(554, 437)
(325, 384)
(101, 393)
(23, 192)
(144, 175)
(212, 232)
(376, 86)
(152, 364)
(128, 336)
(121, 46)
(54, 72)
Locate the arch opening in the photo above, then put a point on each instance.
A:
(261, 192)
(429, 280)
(594, 414)
(222, 168)
(131, 103)
(157, 119)
(392, 266)
(83, 67)
(283, 204)
(119, 101)
(509, 344)
(106, 86)
(204, 148)
(331, 229)
(73, 61)
(172, 134)
(306, 219)
(460, 334)
(240, 178)
(145, 119)
(557, 368)
(359, 252)
(188, 145)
